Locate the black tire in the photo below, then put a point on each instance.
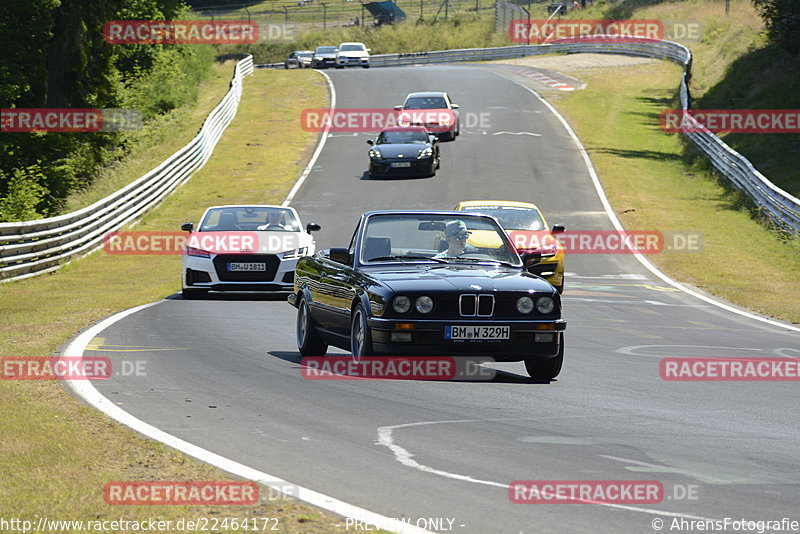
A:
(438, 160)
(365, 66)
(546, 369)
(194, 293)
(458, 130)
(309, 342)
(360, 336)
(339, 66)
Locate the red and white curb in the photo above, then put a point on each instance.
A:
(542, 78)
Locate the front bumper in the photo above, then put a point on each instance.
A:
(352, 61)
(528, 338)
(419, 167)
(211, 273)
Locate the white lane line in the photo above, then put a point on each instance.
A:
(518, 133)
(405, 457)
(86, 390)
(613, 217)
(318, 151)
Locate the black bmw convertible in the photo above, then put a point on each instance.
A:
(429, 284)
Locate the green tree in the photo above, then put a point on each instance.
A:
(782, 18)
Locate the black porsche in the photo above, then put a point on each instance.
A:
(404, 151)
(428, 283)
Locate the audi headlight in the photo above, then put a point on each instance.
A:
(424, 304)
(525, 305)
(401, 304)
(198, 252)
(425, 153)
(545, 305)
(375, 153)
(296, 253)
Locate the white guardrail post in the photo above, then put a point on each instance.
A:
(782, 208)
(35, 247)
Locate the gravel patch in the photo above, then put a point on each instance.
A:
(578, 61)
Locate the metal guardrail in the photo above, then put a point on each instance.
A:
(781, 207)
(35, 247)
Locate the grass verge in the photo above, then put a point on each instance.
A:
(653, 184)
(57, 454)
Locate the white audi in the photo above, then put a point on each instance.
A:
(244, 248)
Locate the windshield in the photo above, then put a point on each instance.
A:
(511, 217)
(426, 102)
(352, 48)
(249, 218)
(304, 54)
(443, 238)
(326, 50)
(402, 137)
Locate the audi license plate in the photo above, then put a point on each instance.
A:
(402, 164)
(480, 333)
(233, 267)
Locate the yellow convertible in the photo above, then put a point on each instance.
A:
(528, 230)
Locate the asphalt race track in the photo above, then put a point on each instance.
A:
(223, 372)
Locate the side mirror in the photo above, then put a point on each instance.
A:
(369, 50)
(312, 227)
(187, 227)
(557, 229)
(432, 138)
(340, 255)
(398, 108)
(453, 106)
(530, 259)
(370, 142)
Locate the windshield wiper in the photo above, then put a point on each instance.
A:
(428, 258)
(482, 260)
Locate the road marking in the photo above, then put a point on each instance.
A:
(312, 162)
(518, 133)
(631, 350)
(405, 457)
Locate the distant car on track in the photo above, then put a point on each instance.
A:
(352, 55)
(526, 217)
(244, 248)
(404, 151)
(324, 57)
(393, 290)
(432, 109)
(299, 59)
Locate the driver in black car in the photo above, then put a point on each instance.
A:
(455, 233)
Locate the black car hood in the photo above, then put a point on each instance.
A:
(457, 277)
(390, 150)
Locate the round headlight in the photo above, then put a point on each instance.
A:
(525, 305)
(424, 304)
(401, 304)
(545, 305)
